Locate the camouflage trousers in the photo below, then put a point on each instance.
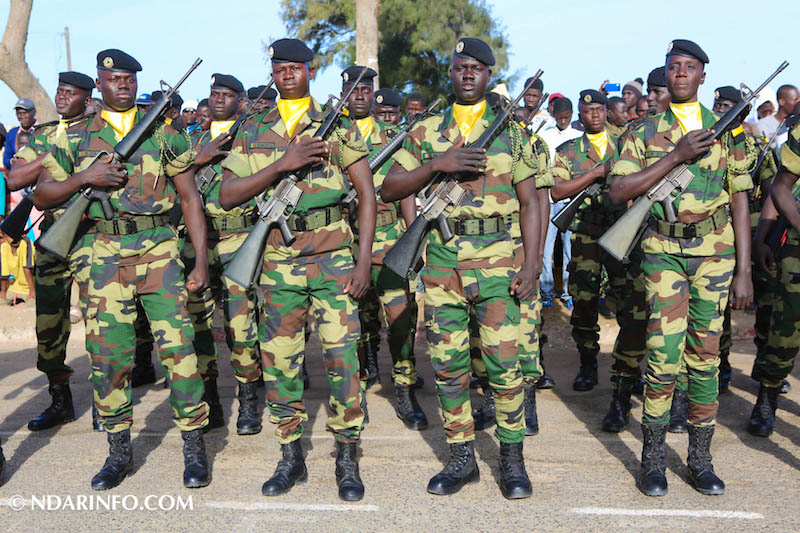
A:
(53, 279)
(452, 298)
(239, 306)
(290, 291)
(686, 297)
(625, 285)
(776, 359)
(391, 294)
(766, 288)
(143, 267)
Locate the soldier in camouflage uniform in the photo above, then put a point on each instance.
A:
(579, 163)
(316, 272)
(690, 265)
(468, 277)
(227, 230)
(52, 276)
(388, 292)
(135, 258)
(775, 360)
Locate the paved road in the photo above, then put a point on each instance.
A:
(583, 478)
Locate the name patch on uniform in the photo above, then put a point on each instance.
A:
(88, 153)
(655, 153)
(431, 155)
(263, 146)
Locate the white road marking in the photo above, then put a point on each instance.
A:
(321, 507)
(666, 512)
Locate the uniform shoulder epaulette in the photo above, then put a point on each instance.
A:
(566, 145)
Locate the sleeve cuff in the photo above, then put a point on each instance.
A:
(404, 158)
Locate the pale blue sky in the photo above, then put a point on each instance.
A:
(577, 43)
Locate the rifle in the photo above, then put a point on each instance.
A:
(276, 210)
(621, 238)
(14, 224)
(59, 238)
(378, 160)
(405, 254)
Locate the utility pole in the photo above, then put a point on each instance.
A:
(69, 57)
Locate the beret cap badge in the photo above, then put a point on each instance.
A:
(108, 62)
(271, 52)
(587, 98)
(669, 47)
(460, 47)
(379, 99)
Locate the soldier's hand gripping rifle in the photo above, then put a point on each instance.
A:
(16, 221)
(378, 160)
(621, 238)
(405, 254)
(275, 211)
(58, 239)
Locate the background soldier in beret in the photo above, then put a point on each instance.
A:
(227, 230)
(388, 292)
(135, 258)
(267, 101)
(468, 277)
(658, 97)
(579, 163)
(690, 265)
(387, 106)
(316, 272)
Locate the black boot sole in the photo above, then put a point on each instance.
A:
(471, 479)
(653, 493)
(127, 471)
(50, 426)
(414, 426)
(197, 484)
(352, 497)
(705, 492)
(250, 430)
(531, 431)
(302, 478)
(517, 493)
(759, 431)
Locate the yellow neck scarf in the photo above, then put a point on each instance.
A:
(467, 115)
(219, 126)
(365, 126)
(62, 126)
(292, 111)
(599, 141)
(122, 122)
(689, 116)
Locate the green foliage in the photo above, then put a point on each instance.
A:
(416, 43)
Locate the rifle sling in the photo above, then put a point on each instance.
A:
(482, 226)
(315, 219)
(131, 225)
(691, 230)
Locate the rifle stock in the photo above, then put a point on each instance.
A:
(563, 220)
(14, 224)
(620, 238)
(405, 254)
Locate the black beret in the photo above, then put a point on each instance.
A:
(290, 50)
(388, 98)
(253, 92)
(590, 96)
(76, 79)
(657, 78)
(118, 61)
(226, 81)
(203, 103)
(732, 94)
(469, 47)
(683, 47)
(538, 84)
(351, 73)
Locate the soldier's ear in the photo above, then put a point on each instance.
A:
(703, 78)
(490, 75)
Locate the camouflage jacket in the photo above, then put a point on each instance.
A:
(211, 196)
(614, 131)
(262, 140)
(789, 155)
(574, 158)
(490, 194)
(717, 176)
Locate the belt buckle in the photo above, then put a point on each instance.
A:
(224, 224)
(690, 231)
(300, 223)
(130, 225)
(481, 226)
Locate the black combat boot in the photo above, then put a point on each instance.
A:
(408, 409)
(363, 404)
(587, 375)
(724, 372)
(786, 387)
(616, 419)
(249, 421)
(97, 424)
(351, 489)
(763, 415)
(545, 381)
(291, 469)
(2, 464)
(60, 411)
(304, 375)
(653, 479)
(195, 473)
(531, 417)
(701, 471)
(462, 468)
(211, 397)
(514, 482)
(371, 358)
(119, 463)
(484, 416)
(143, 373)
(679, 412)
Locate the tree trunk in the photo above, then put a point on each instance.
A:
(14, 70)
(367, 35)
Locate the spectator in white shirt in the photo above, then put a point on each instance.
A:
(788, 96)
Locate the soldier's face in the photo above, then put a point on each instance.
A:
(722, 106)
(470, 78)
(684, 76)
(118, 89)
(618, 114)
(532, 98)
(223, 103)
(204, 117)
(593, 117)
(414, 107)
(291, 79)
(360, 101)
(390, 115)
(642, 108)
(268, 104)
(658, 99)
(71, 101)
